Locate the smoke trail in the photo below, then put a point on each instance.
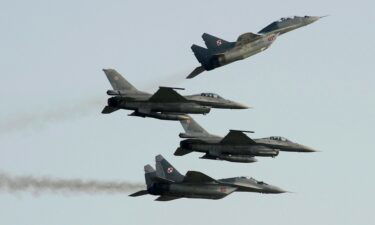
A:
(43, 118)
(39, 185)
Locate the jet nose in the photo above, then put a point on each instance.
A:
(313, 19)
(307, 149)
(236, 105)
(276, 190)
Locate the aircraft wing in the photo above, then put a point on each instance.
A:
(247, 38)
(197, 177)
(167, 94)
(237, 137)
(165, 198)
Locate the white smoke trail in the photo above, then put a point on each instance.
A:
(40, 185)
(41, 119)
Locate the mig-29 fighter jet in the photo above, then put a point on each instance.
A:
(220, 52)
(169, 184)
(234, 147)
(165, 104)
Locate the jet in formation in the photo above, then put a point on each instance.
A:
(165, 104)
(236, 146)
(167, 183)
(220, 52)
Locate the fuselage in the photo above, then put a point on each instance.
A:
(191, 190)
(246, 50)
(213, 190)
(215, 148)
(241, 51)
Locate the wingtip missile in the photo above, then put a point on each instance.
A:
(244, 131)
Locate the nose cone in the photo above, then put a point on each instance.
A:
(274, 190)
(313, 19)
(304, 148)
(236, 105)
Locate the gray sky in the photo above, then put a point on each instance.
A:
(315, 86)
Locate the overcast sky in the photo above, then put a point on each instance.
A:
(314, 85)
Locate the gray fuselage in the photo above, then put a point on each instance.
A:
(216, 148)
(246, 49)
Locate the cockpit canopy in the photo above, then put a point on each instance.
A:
(254, 180)
(291, 18)
(278, 138)
(261, 183)
(211, 95)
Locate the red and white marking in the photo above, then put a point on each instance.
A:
(170, 170)
(218, 42)
(272, 38)
(223, 189)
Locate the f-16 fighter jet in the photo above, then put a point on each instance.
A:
(220, 52)
(234, 147)
(169, 184)
(165, 104)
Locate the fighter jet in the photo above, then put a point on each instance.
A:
(165, 104)
(220, 52)
(234, 147)
(169, 184)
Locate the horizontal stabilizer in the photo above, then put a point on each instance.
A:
(237, 137)
(196, 72)
(164, 198)
(181, 152)
(139, 193)
(165, 94)
(109, 109)
(197, 177)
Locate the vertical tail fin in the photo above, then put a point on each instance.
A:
(117, 81)
(192, 128)
(149, 174)
(202, 54)
(216, 43)
(165, 170)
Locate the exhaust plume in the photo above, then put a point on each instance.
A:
(39, 185)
